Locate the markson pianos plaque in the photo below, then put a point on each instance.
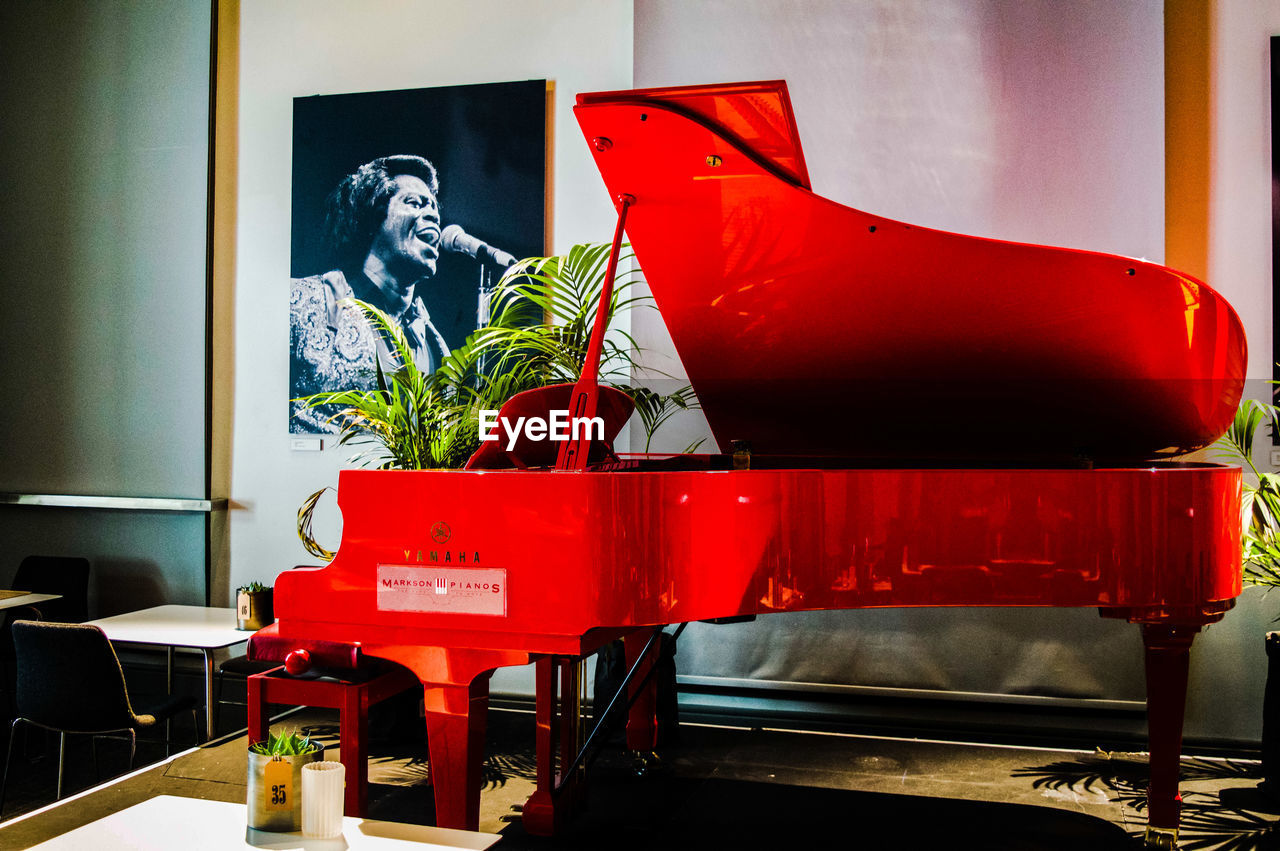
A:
(422, 588)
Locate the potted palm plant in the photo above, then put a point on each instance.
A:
(543, 311)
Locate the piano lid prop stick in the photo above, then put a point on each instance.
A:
(587, 753)
(585, 400)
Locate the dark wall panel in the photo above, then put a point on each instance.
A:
(104, 131)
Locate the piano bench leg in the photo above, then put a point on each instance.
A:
(1168, 653)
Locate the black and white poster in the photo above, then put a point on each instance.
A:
(413, 201)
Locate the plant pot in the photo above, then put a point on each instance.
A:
(255, 609)
(274, 797)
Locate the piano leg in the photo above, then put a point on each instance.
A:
(559, 729)
(1168, 652)
(456, 718)
(456, 696)
(642, 720)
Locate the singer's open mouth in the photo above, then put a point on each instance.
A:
(429, 236)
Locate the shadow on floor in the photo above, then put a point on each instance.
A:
(717, 813)
(1222, 807)
(747, 789)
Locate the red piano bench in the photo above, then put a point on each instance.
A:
(352, 697)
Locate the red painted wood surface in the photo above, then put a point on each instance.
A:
(994, 402)
(866, 336)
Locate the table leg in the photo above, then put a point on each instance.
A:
(208, 695)
(168, 690)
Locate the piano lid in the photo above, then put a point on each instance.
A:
(809, 327)
(757, 117)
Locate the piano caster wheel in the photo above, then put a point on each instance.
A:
(1160, 837)
(646, 763)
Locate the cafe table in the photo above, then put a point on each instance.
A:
(203, 628)
(11, 599)
(166, 822)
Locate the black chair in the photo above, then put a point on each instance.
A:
(70, 681)
(67, 576)
(64, 575)
(240, 668)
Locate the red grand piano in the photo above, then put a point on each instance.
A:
(932, 420)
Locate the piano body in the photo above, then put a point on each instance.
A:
(831, 340)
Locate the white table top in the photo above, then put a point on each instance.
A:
(29, 599)
(158, 823)
(176, 626)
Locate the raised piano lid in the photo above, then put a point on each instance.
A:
(808, 327)
(755, 116)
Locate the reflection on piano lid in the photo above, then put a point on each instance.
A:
(814, 328)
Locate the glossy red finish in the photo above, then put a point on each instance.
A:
(620, 550)
(351, 699)
(589, 556)
(612, 405)
(774, 293)
(756, 117)
(885, 339)
(575, 452)
(298, 662)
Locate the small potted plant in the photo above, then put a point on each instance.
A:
(275, 780)
(254, 606)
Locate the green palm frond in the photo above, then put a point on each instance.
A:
(655, 408)
(543, 312)
(562, 293)
(1260, 503)
(1237, 443)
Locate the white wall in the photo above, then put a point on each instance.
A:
(1229, 670)
(290, 48)
(104, 163)
(1037, 121)
(1240, 248)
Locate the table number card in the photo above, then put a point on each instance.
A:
(277, 785)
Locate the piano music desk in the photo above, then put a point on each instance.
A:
(351, 698)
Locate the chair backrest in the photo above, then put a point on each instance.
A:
(69, 677)
(65, 575)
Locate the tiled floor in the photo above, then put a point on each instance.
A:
(754, 788)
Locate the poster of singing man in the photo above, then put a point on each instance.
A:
(414, 201)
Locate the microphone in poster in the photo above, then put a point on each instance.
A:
(455, 239)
